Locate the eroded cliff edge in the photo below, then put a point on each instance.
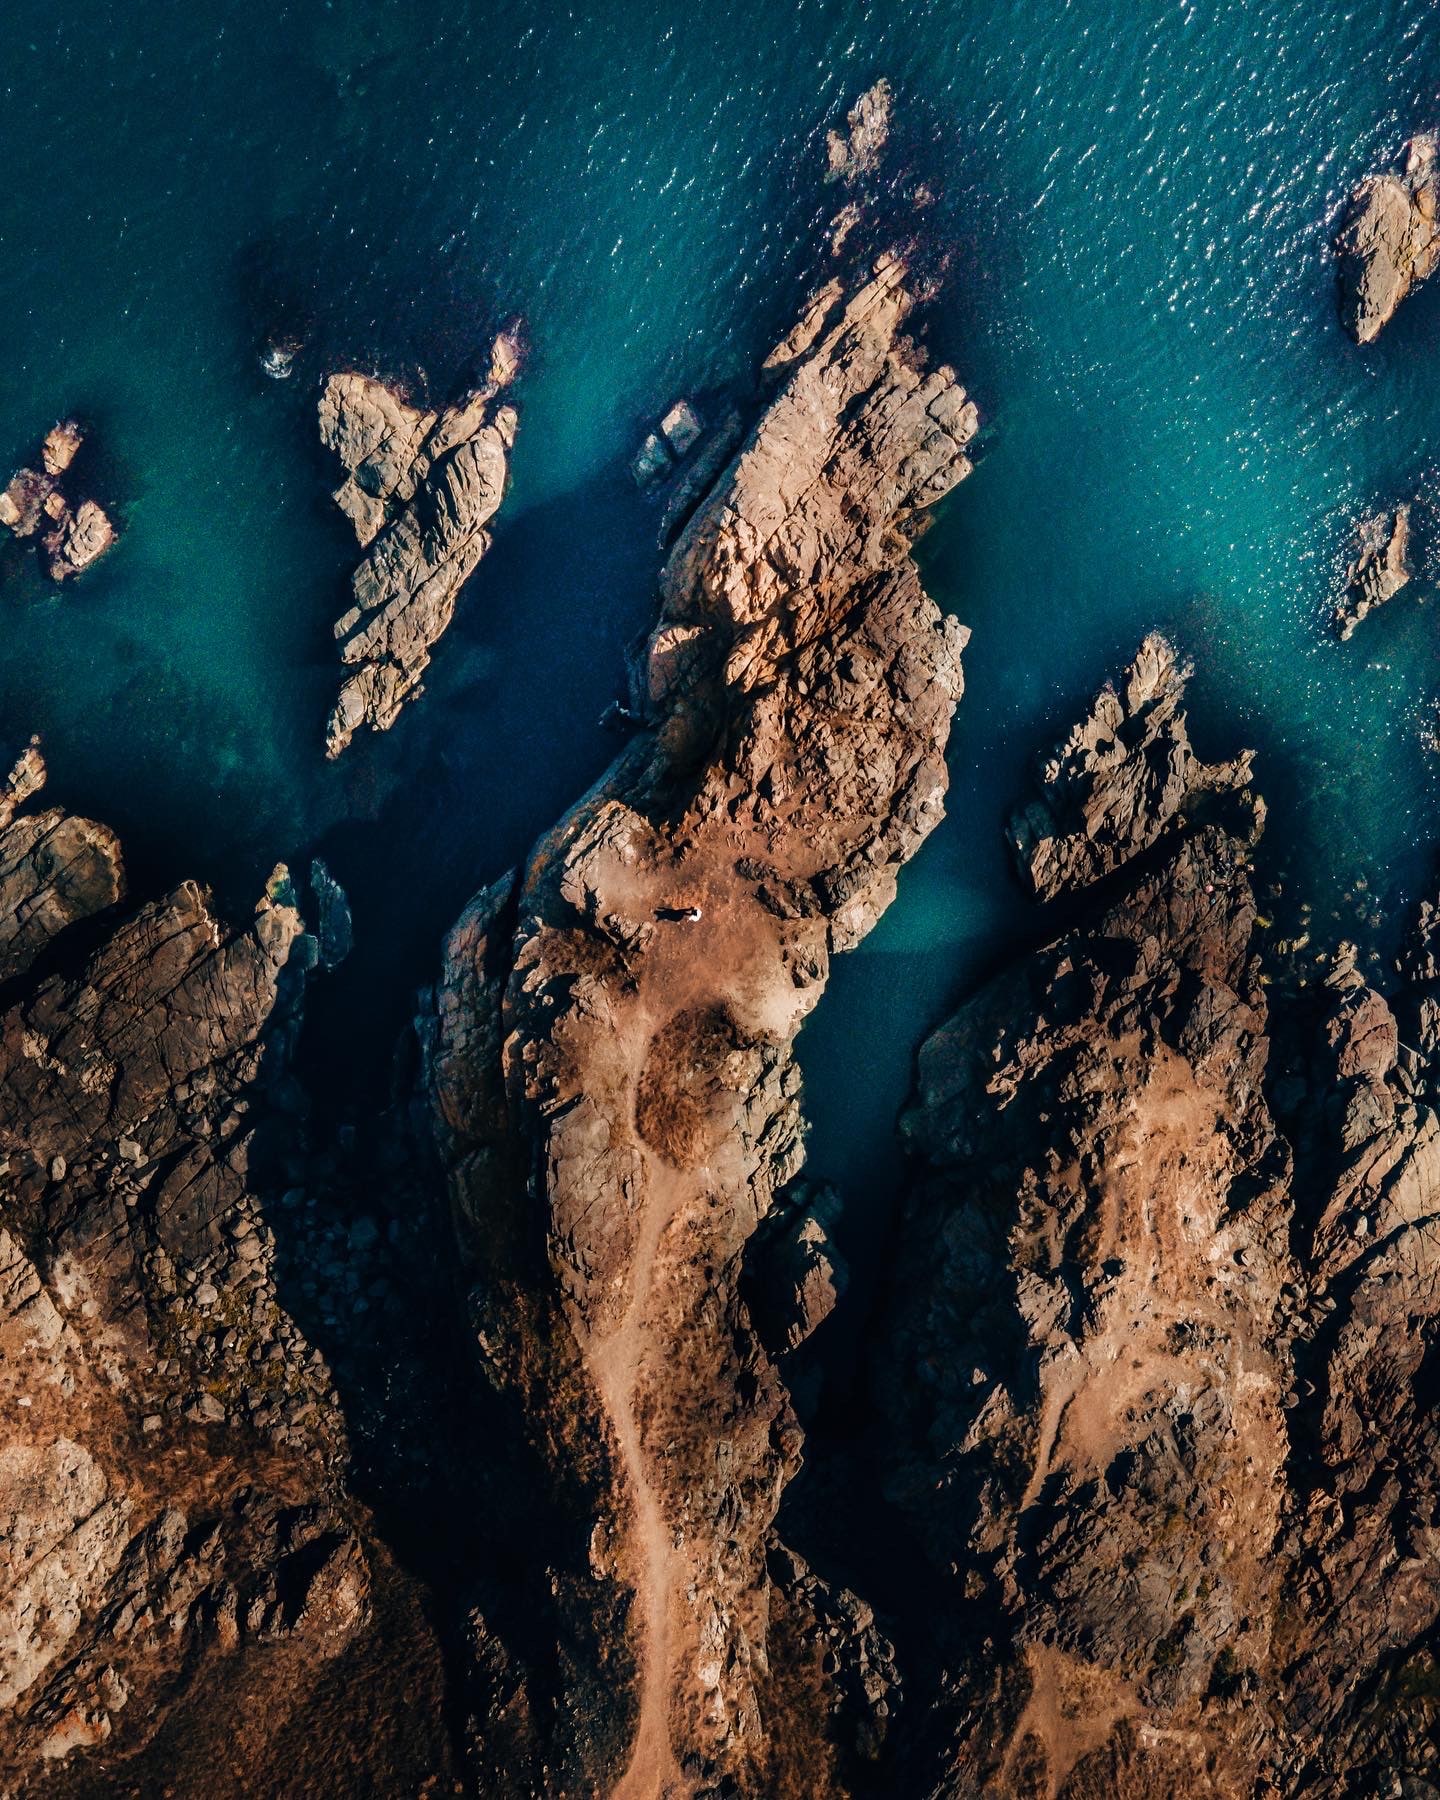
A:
(608, 1056)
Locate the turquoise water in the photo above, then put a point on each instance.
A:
(1137, 201)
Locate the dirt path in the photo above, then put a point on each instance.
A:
(615, 1362)
(727, 958)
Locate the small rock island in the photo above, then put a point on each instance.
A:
(420, 487)
(74, 532)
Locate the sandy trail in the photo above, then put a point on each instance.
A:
(730, 958)
(615, 1363)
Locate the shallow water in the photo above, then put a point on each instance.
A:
(1138, 201)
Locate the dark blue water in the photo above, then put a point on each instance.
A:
(1138, 203)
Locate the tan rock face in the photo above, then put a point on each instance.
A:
(1388, 242)
(79, 530)
(618, 1018)
(420, 487)
(1118, 781)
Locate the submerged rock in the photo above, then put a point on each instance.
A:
(1118, 781)
(334, 930)
(1380, 569)
(1388, 241)
(420, 488)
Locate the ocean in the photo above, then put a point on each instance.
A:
(1136, 203)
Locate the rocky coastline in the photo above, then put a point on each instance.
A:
(1140, 1499)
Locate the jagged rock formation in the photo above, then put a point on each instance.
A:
(611, 1079)
(1157, 1363)
(1380, 569)
(857, 152)
(181, 1576)
(1387, 242)
(420, 487)
(1118, 781)
(76, 532)
(800, 1276)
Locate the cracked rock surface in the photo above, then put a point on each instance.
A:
(420, 488)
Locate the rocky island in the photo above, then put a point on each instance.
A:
(1388, 241)
(420, 487)
(74, 532)
(1380, 568)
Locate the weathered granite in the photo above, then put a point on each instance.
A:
(184, 1583)
(1155, 1377)
(1388, 242)
(420, 488)
(1381, 567)
(76, 532)
(608, 1051)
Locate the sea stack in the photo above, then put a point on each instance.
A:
(420, 488)
(1381, 567)
(1387, 243)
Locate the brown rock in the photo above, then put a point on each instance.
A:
(618, 1019)
(80, 530)
(82, 538)
(856, 152)
(420, 488)
(61, 446)
(1119, 780)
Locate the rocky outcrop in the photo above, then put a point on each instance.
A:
(1380, 569)
(801, 1276)
(608, 1055)
(1088, 1366)
(420, 487)
(856, 151)
(1156, 1362)
(172, 1529)
(1124, 775)
(1388, 242)
(74, 532)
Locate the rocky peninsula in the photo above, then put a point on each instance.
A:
(1157, 1338)
(176, 1533)
(608, 1054)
